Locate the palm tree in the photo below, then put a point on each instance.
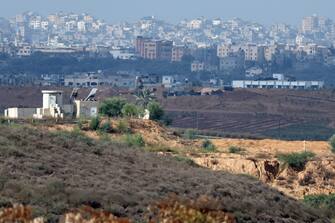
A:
(144, 97)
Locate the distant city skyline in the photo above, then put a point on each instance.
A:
(262, 11)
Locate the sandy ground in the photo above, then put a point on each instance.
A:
(273, 147)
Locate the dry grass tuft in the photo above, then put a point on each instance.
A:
(202, 210)
(18, 214)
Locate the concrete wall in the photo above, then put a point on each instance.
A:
(87, 109)
(20, 112)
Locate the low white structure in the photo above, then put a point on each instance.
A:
(52, 105)
(98, 79)
(168, 81)
(19, 113)
(86, 109)
(279, 77)
(278, 84)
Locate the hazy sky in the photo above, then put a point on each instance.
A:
(264, 11)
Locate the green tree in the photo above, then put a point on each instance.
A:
(332, 143)
(144, 97)
(208, 146)
(112, 107)
(156, 111)
(130, 110)
(296, 161)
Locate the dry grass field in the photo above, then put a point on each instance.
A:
(54, 171)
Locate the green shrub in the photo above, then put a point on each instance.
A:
(235, 150)
(95, 123)
(332, 143)
(106, 127)
(325, 203)
(320, 201)
(208, 146)
(112, 107)
(123, 127)
(131, 111)
(156, 111)
(3, 120)
(135, 140)
(296, 160)
(190, 134)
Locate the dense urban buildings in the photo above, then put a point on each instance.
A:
(219, 49)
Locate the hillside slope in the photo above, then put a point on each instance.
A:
(57, 171)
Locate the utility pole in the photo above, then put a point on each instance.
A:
(305, 149)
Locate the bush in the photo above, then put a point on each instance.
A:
(106, 127)
(135, 140)
(235, 150)
(95, 123)
(156, 111)
(190, 134)
(321, 201)
(130, 110)
(123, 127)
(325, 203)
(332, 143)
(208, 146)
(112, 107)
(296, 161)
(3, 120)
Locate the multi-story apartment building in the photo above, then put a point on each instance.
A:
(310, 24)
(194, 24)
(153, 49)
(252, 52)
(139, 45)
(197, 66)
(178, 52)
(232, 61)
(150, 50)
(81, 26)
(164, 50)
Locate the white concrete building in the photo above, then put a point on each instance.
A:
(95, 80)
(52, 105)
(122, 54)
(86, 109)
(81, 25)
(194, 24)
(19, 113)
(168, 81)
(269, 84)
(24, 51)
(252, 52)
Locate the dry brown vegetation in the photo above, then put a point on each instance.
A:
(257, 158)
(54, 172)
